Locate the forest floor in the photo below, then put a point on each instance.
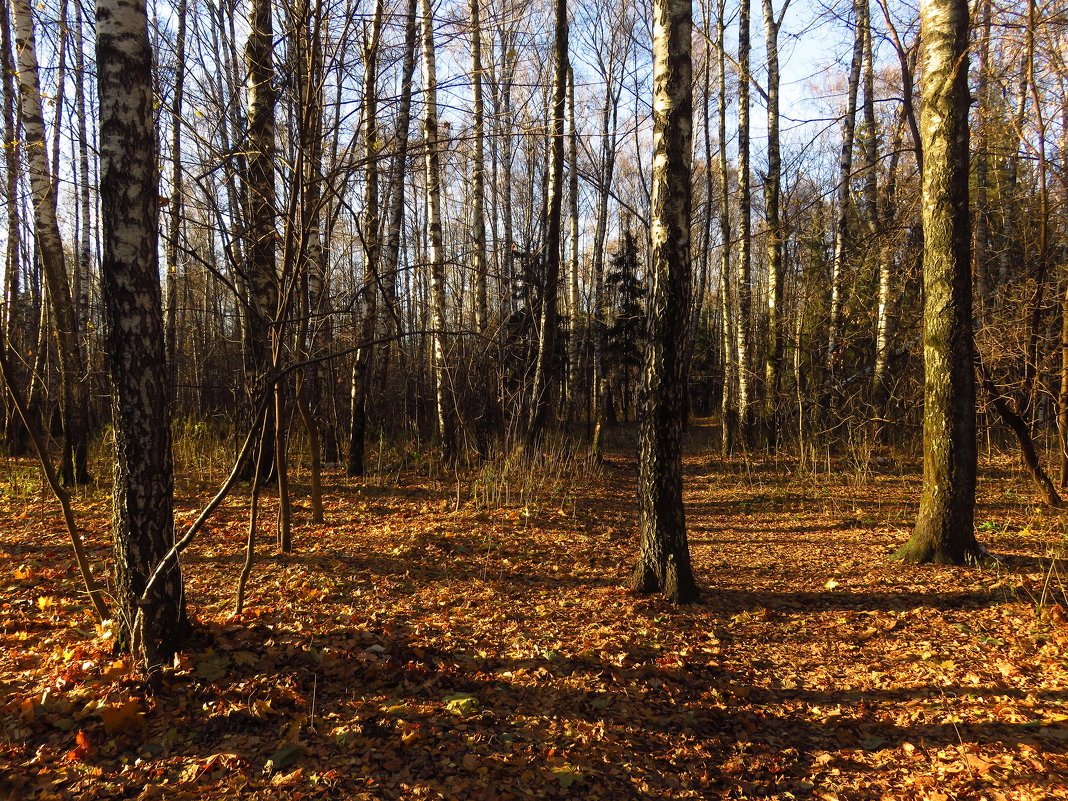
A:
(470, 638)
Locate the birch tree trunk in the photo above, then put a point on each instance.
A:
(728, 408)
(841, 220)
(774, 236)
(50, 248)
(260, 269)
(883, 316)
(745, 226)
(142, 511)
(478, 174)
(445, 418)
(944, 531)
(14, 431)
(664, 556)
(574, 343)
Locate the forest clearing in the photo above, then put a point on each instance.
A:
(496, 399)
(436, 639)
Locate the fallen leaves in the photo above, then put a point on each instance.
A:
(422, 647)
(124, 717)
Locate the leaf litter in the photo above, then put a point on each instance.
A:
(420, 647)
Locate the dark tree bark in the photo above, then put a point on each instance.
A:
(142, 514)
(544, 373)
(363, 365)
(842, 202)
(260, 268)
(944, 531)
(664, 557)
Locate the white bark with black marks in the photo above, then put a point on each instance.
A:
(142, 516)
(664, 556)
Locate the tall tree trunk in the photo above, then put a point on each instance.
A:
(174, 222)
(1062, 393)
(364, 363)
(142, 511)
(944, 531)
(884, 317)
(478, 174)
(544, 372)
(609, 136)
(446, 423)
(14, 430)
(745, 226)
(841, 220)
(729, 419)
(260, 269)
(84, 262)
(50, 249)
(664, 557)
(772, 192)
(311, 333)
(574, 343)
(395, 214)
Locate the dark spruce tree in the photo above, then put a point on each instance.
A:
(624, 337)
(944, 531)
(664, 556)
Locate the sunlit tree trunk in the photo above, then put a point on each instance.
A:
(50, 250)
(574, 343)
(774, 236)
(884, 313)
(745, 228)
(664, 558)
(728, 409)
(445, 418)
(944, 531)
(142, 516)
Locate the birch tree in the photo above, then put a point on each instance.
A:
(944, 531)
(745, 227)
(841, 220)
(75, 390)
(142, 509)
(774, 237)
(432, 145)
(664, 556)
